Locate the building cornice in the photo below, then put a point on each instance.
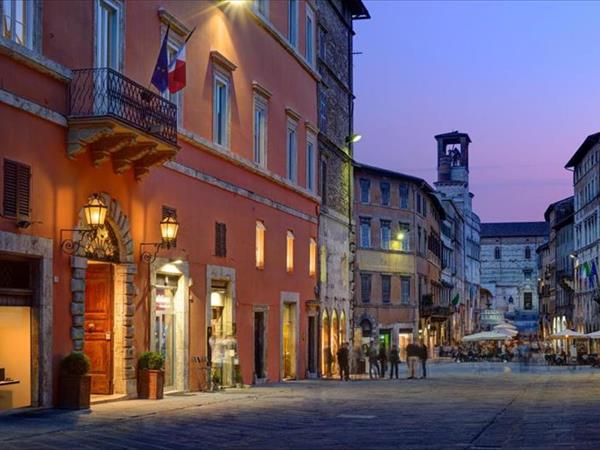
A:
(282, 40)
(204, 144)
(176, 25)
(35, 60)
(33, 108)
(238, 190)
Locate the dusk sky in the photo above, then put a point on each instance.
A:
(522, 78)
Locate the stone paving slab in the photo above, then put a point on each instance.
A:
(461, 406)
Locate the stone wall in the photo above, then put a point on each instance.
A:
(506, 277)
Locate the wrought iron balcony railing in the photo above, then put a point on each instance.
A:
(104, 92)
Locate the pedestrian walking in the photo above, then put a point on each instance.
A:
(423, 355)
(412, 355)
(343, 357)
(373, 364)
(394, 361)
(382, 361)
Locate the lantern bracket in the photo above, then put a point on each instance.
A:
(149, 256)
(71, 246)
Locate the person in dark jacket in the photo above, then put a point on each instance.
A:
(412, 355)
(343, 357)
(382, 360)
(373, 365)
(423, 354)
(394, 361)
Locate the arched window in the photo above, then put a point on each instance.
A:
(527, 252)
(365, 324)
(497, 254)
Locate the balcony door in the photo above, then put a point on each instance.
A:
(108, 34)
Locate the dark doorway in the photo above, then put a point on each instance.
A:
(312, 354)
(259, 344)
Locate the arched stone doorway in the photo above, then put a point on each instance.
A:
(343, 328)
(327, 356)
(102, 302)
(335, 339)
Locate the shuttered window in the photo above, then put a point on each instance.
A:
(17, 186)
(220, 239)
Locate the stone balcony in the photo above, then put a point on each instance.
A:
(119, 121)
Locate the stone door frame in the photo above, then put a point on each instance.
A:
(124, 373)
(37, 248)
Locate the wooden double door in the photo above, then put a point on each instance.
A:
(98, 326)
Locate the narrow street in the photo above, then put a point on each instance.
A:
(467, 406)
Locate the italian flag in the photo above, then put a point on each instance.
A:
(177, 69)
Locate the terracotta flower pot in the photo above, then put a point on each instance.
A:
(151, 384)
(75, 391)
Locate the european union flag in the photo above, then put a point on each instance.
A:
(160, 77)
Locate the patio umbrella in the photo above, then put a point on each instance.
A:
(505, 325)
(567, 334)
(594, 335)
(506, 331)
(485, 336)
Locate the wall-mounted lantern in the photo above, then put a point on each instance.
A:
(168, 233)
(95, 214)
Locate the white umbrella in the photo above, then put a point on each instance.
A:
(485, 336)
(566, 334)
(506, 331)
(505, 325)
(594, 335)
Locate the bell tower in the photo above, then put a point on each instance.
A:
(453, 157)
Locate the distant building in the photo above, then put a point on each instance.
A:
(585, 164)
(336, 105)
(453, 184)
(398, 259)
(509, 269)
(555, 283)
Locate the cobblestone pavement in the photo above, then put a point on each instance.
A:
(466, 406)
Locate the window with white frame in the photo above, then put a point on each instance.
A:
(312, 257)
(365, 232)
(385, 234)
(221, 109)
(260, 244)
(108, 34)
(311, 162)
(405, 288)
(173, 48)
(293, 22)
(309, 50)
(289, 260)
(17, 21)
(262, 7)
(291, 152)
(260, 130)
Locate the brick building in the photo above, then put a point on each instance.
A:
(555, 283)
(398, 258)
(336, 105)
(232, 159)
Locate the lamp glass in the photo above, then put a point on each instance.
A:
(400, 236)
(168, 229)
(216, 299)
(95, 212)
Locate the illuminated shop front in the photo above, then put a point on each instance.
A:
(170, 323)
(223, 342)
(25, 321)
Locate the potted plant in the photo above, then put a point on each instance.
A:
(151, 376)
(75, 383)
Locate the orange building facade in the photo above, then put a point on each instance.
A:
(232, 158)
